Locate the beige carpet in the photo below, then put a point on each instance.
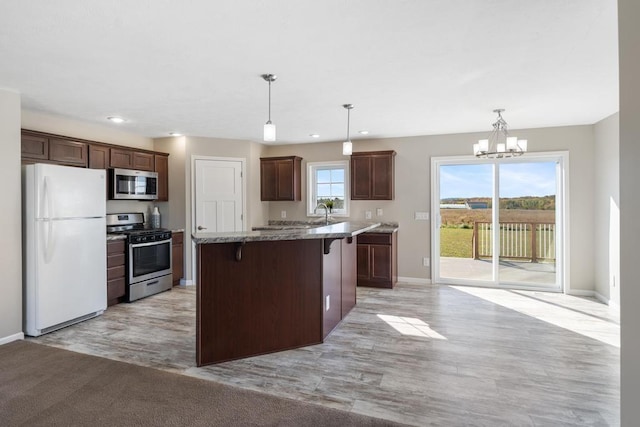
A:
(42, 385)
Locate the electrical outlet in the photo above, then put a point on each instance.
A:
(425, 261)
(367, 215)
(283, 214)
(379, 212)
(421, 216)
(327, 303)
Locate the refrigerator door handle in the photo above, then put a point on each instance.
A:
(48, 244)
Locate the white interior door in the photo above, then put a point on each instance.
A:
(218, 196)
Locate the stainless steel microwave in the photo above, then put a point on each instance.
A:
(128, 184)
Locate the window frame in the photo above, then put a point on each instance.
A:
(312, 186)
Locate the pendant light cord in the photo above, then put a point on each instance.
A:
(348, 120)
(269, 101)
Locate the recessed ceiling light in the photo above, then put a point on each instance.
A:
(363, 132)
(116, 119)
(175, 134)
(314, 135)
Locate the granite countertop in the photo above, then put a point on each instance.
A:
(116, 237)
(388, 227)
(338, 230)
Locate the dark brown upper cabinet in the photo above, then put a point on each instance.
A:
(34, 147)
(41, 147)
(162, 167)
(47, 149)
(280, 178)
(67, 152)
(372, 175)
(98, 156)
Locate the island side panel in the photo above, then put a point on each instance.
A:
(349, 274)
(332, 286)
(270, 300)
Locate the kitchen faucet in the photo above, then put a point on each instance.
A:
(326, 212)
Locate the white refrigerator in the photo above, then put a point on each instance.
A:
(64, 246)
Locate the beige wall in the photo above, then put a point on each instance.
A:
(629, 40)
(607, 209)
(109, 133)
(413, 189)
(174, 212)
(10, 218)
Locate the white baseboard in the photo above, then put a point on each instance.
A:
(601, 298)
(415, 280)
(186, 282)
(10, 338)
(581, 293)
(615, 306)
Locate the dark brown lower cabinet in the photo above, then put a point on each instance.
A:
(115, 272)
(378, 259)
(177, 257)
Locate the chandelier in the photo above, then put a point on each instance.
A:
(500, 144)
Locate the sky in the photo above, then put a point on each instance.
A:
(516, 180)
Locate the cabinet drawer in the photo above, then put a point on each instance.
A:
(375, 238)
(115, 288)
(115, 246)
(115, 272)
(115, 260)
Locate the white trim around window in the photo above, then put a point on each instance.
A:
(339, 188)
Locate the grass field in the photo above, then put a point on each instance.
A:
(456, 242)
(456, 217)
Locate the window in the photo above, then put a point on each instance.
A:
(328, 183)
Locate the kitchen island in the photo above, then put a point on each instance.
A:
(272, 290)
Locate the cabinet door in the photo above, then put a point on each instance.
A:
(284, 173)
(360, 178)
(68, 152)
(268, 180)
(380, 259)
(121, 158)
(143, 161)
(382, 177)
(363, 260)
(98, 157)
(34, 147)
(162, 167)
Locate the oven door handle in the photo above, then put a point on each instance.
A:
(140, 245)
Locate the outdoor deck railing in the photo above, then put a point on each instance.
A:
(532, 241)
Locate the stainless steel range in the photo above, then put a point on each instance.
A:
(148, 253)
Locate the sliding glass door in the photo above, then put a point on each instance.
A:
(499, 222)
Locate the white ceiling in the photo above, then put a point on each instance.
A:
(411, 67)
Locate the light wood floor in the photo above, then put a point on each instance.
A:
(417, 354)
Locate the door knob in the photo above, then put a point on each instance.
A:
(201, 227)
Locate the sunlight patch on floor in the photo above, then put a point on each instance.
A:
(410, 326)
(560, 314)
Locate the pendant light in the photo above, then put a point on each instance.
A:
(269, 128)
(347, 146)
